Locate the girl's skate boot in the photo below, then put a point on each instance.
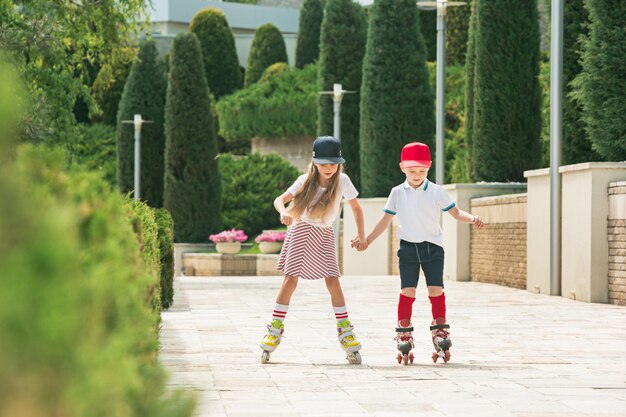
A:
(348, 341)
(272, 339)
(441, 339)
(405, 342)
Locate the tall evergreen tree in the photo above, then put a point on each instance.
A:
(396, 99)
(192, 182)
(576, 142)
(308, 44)
(601, 86)
(221, 65)
(268, 47)
(470, 64)
(507, 96)
(457, 26)
(144, 93)
(344, 32)
(428, 28)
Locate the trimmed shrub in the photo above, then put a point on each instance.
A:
(166, 249)
(601, 86)
(192, 191)
(144, 94)
(344, 33)
(507, 96)
(282, 105)
(251, 184)
(308, 43)
(221, 65)
(79, 334)
(268, 47)
(94, 148)
(470, 73)
(396, 99)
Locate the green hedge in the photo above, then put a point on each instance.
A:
(279, 106)
(77, 323)
(166, 249)
(250, 185)
(94, 148)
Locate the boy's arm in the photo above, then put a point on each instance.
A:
(380, 227)
(465, 217)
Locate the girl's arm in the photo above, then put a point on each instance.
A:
(360, 224)
(279, 205)
(465, 217)
(380, 227)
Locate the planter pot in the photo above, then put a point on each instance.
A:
(270, 247)
(228, 248)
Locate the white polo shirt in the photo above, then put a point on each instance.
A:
(346, 191)
(419, 210)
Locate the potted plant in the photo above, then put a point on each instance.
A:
(228, 241)
(270, 241)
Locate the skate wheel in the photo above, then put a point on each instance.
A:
(354, 358)
(411, 357)
(399, 358)
(405, 359)
(446, 356)
(435, 357)
(265, 357)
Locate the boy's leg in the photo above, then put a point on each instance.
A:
(433, 270)
(409, 266)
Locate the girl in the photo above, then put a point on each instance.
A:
(309, 250)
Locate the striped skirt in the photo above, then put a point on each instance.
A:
(309, 252)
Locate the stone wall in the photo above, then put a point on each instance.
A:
(617, 243)
(498, 250)
(295, 149)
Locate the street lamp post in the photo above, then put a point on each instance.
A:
(440, 103)
(337, 93)
(137, 122)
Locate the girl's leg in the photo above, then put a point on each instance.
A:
(336, 294)
(344, 327)
(275, 329)
(286, 290)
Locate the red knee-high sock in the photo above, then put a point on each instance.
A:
(438, 305)
(405, 308)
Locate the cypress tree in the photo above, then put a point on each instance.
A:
(268, 47)
(144, 93)
(470, 64)
(343, 37)
(507, 95)
(576, 142)
(396, 99)
(308, 44)
(601, 86)
(221, 65)
(428, 27)
(457, 26)
(192, 183)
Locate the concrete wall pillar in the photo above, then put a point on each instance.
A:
(538, 231)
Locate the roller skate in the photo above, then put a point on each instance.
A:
(405, 342)
(272, 339)
(348, 341)
(441, 339)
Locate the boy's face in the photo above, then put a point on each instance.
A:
(415, 175)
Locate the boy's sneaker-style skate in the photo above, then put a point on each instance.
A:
(348, 341)
(272, 339)
(441, 339)
(405, 342)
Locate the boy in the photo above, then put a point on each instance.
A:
(418, 203)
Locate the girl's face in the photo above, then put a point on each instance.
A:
(415, 175)
(326, 171)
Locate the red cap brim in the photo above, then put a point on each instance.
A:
(411, 164)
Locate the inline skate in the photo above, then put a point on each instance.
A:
(272, 339)
(348, 341)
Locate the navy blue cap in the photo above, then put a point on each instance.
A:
(327, 150)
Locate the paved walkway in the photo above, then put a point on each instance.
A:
(514, 353)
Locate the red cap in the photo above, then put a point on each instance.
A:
(415, 154)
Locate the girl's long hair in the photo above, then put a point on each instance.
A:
(305, 197)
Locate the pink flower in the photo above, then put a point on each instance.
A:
(232, 235)
(270, 236)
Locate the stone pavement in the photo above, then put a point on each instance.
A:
(514, 353)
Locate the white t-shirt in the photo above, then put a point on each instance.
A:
(418, 211)
(346, 190)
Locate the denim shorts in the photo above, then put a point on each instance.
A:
(425, 254)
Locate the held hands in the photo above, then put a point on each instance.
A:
(286, 219)
(359, 244)
(477, 221)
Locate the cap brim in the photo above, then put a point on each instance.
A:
(412, 164)
(329, 160)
